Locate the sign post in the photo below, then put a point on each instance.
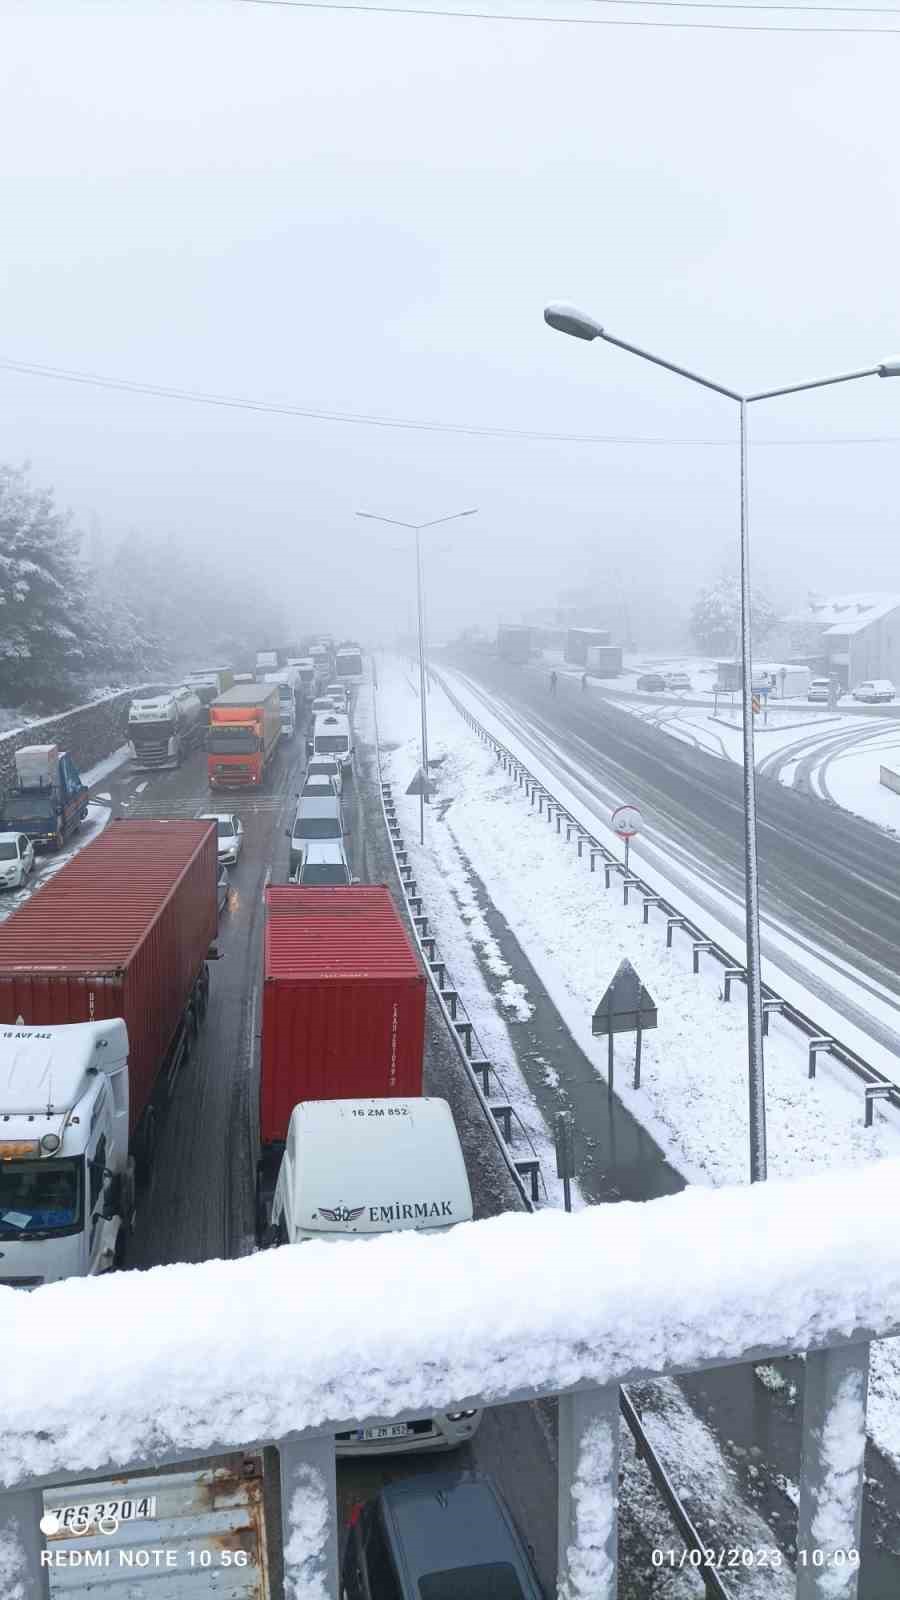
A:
(421, 786)
(626, 821)
(626, 1007)
(564, 1135)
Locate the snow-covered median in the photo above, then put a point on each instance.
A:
(225, 1353)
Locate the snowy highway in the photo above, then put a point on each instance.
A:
(829, 881)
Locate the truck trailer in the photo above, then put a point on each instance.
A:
(348, 663)
(343, 1010)
(243, 734)
(514, 642)
(103, 985)
(48, 802)
(210, 682)
(163, 730)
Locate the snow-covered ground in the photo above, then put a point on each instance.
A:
(693, 1098)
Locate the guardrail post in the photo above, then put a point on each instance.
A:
(700, 944)
(530, 1169)
(309, 1507)
(651, 900)
(821, 1042)
(673, 922)
(831, 1471)
(629, 883)
(876, 1091)
(594, 855)
(22, 1542)
(730, 974)
(587, 1547)
(768, 1007)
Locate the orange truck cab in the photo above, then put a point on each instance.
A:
(243, 734)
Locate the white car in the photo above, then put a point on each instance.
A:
(318, 785)
(326, 767)
(16, 860)
(874, 691)
(820, 690)
(230, 835)
(323, 864)
(339, 694)
(677, 680)
(318, 818)
(323, 703)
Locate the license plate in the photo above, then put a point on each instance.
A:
(394, 1430)
(82, 1518)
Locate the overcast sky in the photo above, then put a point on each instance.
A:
(367, 214)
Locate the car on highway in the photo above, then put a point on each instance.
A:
(874, 691)
(320, 783)
(820, 690)
(326, 767)
(677, 680)
(16, 859)
(323, 864)
(318, 817)
(230, 835)
(322, 704)
(652, 683)
(437, 1536)
(340, 694)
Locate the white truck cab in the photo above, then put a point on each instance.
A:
(66, 1179)
(355, 1168)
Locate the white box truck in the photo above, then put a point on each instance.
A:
(352, 1169)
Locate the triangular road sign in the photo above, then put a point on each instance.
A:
(626, 1005)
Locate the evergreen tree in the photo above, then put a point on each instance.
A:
(715, 622)
(42, 597)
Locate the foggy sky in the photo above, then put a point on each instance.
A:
(367, 214)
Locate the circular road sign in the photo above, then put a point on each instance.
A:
(626, 821)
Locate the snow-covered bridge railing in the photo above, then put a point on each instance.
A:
(144, 1369)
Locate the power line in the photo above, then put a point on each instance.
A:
(363, 419)
(578, 22)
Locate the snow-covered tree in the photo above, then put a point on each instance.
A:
(42, 596)
(715, 621)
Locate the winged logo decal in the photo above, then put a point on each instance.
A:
(342, 1213)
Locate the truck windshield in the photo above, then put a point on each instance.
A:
(225, 741)
(24, 807)
(40, 1197)
(331, 741)
(317, 828)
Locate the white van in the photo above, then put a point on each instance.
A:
(382, 1165)
(332, 737)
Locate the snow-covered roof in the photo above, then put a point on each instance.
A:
(848, 613)
(228, 1353)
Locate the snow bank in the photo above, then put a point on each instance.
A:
(194, 1357)
(306, 1553)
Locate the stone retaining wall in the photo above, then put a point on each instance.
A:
(89, 733)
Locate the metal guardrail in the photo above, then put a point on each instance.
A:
(459, 1025)
(713, 1584)
(819, 1040)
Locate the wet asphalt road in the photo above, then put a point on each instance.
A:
(830, 880)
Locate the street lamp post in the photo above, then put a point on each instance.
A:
(418, 528)
(565, 319)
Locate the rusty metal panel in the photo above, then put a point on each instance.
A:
(169, 1535)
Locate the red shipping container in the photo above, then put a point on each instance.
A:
(343, 1002)
(122, 930)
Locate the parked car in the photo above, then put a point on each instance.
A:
(874, 691)
(16, 859)
(323, 864)
(437, 1536)
(652, 682)
(326, 767)
(677, 680)
(230, 835)
(223, 885)
(318, 817)
(820, 690)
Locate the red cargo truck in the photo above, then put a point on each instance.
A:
(243, 734)
(343, 1013)
(122, 930)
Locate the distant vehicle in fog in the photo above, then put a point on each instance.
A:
(209, 682)
(652, 683)
(874, 691)
(267, 661)
(163, 730)
(677, 680)
(348, 664)
(820, 690)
